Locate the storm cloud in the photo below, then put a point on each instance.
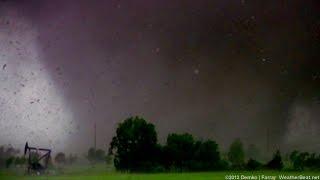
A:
(217, 69)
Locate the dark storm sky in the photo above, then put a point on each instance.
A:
(217, 69)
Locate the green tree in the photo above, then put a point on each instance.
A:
(9, 161)
(6, 153)
(23, 160)
(134, 146)
(236, 154)
(276, 162)
(301, 160)
(96, 155)
(91, 156)
(313, 161)
(179, 151)
(18, 161)
(253, 164)
(60, 158)
(295, 160)
(100, 155)
(108, 159)
(206, 156)
(34, 156)
(72, 158)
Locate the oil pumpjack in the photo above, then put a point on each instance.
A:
(38, 159)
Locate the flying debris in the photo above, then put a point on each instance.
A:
(315, 76)
(265, 60)
(4, 66)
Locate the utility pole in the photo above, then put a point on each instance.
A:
(268, 141)
(93, 108)
(95, 136)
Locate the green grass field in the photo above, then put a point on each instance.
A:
(101, 172)
(160, 176)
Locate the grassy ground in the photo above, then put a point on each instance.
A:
(169, 176)
(103, 173)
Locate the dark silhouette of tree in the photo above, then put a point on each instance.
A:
(253, 165)
(302, 160)
(100, 155)
(95, 156)
(313, 161)
(179, 151)
(206, 156)
(276, 162)
(91, 155)
(296, 160)
(72, 158)
(19, 161)
(34, 156)
(108, 159)
(9, 161)
(60, 158)
(236, 154)
(6, 153)
(134, 146)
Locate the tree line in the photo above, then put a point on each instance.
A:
(11, 157)
(135, 148)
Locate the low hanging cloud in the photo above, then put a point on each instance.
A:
(219, 70)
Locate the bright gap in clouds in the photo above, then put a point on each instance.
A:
(31, 109)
